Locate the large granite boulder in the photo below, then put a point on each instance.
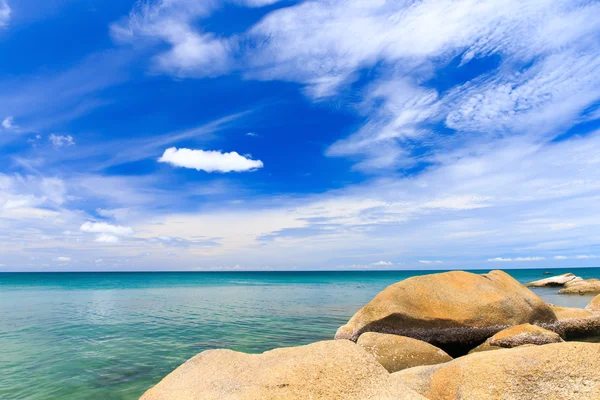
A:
(560, 371)
(396, 353)
(576, 323)
(323, 370)
(455, 311)
(519, 335)
(594, 305)
(558, 280)
(587, 286)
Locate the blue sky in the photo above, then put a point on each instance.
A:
(265, 134)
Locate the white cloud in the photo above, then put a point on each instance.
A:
(560, 257)
(63, 259)
(105, 238)
(383, 263)
(4, 13)
(8, 123)
(61, 140)
(430, 262)
(517, 259)
(108, 229)
(252, 134)
(209, 161)
(585, 257)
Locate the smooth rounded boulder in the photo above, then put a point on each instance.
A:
(455, 310)
(558, 280)
(322, 370)
(519, 335)
(396, 353)
(559, 371)
(594, 305)
(587, 286)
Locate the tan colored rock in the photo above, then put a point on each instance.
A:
(558, 280)
(594, 305)
(396, 353)
(559, 371)
(449, 308)
(519, 335)
(575, 323)
(588, 286)
(574, 281)
(323, 370)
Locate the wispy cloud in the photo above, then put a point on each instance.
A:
(4, 13)
(516, 259)
(61, 140)
(8, 123)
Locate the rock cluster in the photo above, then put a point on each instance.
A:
(401, 346)
(570, 283)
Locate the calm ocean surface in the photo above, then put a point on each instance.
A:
(114, 335)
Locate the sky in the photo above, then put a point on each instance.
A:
(299, 135)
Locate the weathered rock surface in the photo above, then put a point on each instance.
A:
(519, 335)
(453, 310)
(587, 286)
(396, 353)
(560, 371)
(558, 280)
(575, 323)
(324, 370)
(594, 305)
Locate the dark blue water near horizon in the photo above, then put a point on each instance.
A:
(112, 335)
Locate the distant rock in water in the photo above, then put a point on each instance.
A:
(396, 353)
(319, 371)
(560, 371)
(587, 286)
(519, 335)
(455, 311)
(558, 280)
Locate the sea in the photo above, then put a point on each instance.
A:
(114, 335)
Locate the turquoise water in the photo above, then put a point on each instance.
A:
(114, 335)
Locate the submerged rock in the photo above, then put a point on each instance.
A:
(453, 310)
(323, 370)
(396, 353)
(519, 335)
(587, 286)
(558, 280)
(560, 371)
(594, 305)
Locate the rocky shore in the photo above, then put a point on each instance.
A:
(452, 335)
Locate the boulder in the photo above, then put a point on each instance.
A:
(559, 371)
(558, 280)
(396, 353)
(322, 370)
(576, 323)
(587, 286)
(455, 310)
(594, 305)
(574, 281)
(519, 335)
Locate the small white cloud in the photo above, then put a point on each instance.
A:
(8, 122)
(560, 257)
(105, 238)
(430, 262)
(382, 263)
(585, 257)
(63, 259)
(500, 259)
(61, 140)
(209, 161)
(108, 229)
(252, 134)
